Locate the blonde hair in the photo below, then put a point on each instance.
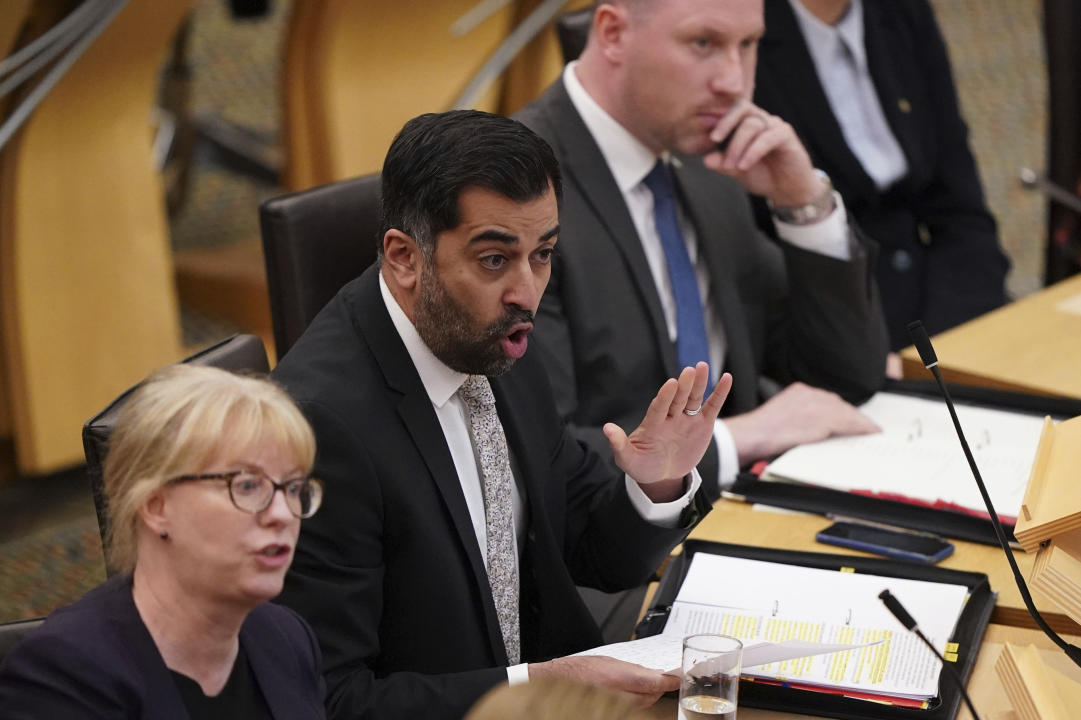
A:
(553, 699)
(179, 420)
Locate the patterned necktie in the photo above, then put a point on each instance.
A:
(490, 445)
(691, 343)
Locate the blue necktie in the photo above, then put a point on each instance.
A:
(691, 343)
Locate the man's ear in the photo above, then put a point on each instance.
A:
(610, 25)
(401, 259)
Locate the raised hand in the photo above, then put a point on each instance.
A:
(673, 436)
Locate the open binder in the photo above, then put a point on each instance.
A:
(967, 635)
(956, 525)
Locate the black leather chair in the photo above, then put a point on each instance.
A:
(314, 242)
(13, 632)
(239, 353)
(573, 30)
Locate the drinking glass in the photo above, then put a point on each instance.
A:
(710, 682)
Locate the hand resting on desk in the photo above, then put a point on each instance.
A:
(796, 415)
(639, 684)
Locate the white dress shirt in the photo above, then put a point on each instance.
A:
(630, 161)
(840, 59)
(442, 384)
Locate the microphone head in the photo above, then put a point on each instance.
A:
(894, 606)
(920, 339)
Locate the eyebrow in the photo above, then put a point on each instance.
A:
(508, 238)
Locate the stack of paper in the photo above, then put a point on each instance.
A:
(794, 618)
(917, 457)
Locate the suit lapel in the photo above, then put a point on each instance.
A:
(277, 686)
(585, 167)
(162, 693)
(415, 410)
(791, 67)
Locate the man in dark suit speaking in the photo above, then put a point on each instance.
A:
(662, 263)
(464, 513)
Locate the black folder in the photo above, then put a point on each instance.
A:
(968, 634)
(956, 525)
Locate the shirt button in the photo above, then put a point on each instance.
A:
(901, 261)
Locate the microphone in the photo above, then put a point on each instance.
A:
(918, 333)
(894, 606)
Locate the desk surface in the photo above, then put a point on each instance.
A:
(1031, 345)
(984, 687)
(743, 524)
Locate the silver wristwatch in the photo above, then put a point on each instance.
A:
(819, 207)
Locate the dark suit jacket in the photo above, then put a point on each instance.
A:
(787, 313)
(389, 572)
(940, 260)
(95, 659)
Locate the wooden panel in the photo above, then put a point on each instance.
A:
(1032, 345)
(86, 286)
(537, 66)
(740, 523)
(356, 71)
(13, 15)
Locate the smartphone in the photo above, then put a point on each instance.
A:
(900, 544)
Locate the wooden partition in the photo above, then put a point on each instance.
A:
(13, 16)
(354, 72)
(86, 283)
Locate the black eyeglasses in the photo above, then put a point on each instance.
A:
(252, 491)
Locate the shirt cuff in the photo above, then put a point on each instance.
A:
(518, 674)
(664, 514)
(828, 236)
(727, 457)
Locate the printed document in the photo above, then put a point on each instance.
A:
(822, 628)
(917, 457)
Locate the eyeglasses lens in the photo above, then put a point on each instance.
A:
(254, 493)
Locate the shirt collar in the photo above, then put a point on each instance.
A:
(440, 381)
(627, 158)
(822, 38)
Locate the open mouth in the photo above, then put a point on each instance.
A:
(274, 550)
(516, 342)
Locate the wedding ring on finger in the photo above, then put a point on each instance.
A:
(694, 412)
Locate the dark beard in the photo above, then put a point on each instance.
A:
(453, 336)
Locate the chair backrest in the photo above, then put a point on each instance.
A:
(573, 30)
(13, 632)
(314, 242)
(239, 353)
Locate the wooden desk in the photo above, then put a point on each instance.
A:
(742, 524)
(983, 686)
(1031, 345)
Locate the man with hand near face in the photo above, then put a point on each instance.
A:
(464, 513)
(662, 264)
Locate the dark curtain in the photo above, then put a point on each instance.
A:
(1062, 30)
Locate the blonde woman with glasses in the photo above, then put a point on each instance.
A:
(202, 538)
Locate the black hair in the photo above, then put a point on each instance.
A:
(438, 155)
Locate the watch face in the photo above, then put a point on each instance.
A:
(818, 208)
